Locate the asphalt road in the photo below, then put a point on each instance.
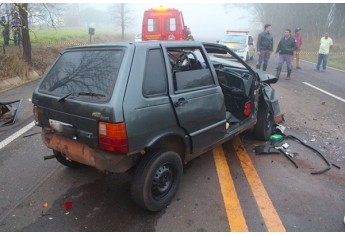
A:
(227, 189)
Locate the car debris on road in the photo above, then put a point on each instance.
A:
(9, 112)
(276, 146)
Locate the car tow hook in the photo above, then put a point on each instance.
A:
(49, 157)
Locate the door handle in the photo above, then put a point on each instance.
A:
(180, 102)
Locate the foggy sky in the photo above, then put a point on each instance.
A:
(207, 21)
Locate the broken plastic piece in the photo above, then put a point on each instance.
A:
(265, 149)
(336, 166)
(9, 112)
(49, 157)
(68, 205)
(276, 137)
(45, 205)
(279, 129)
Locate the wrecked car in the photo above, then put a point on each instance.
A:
(153, 106)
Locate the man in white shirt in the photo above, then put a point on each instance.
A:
(326, 44)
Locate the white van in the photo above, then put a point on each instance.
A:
(241, 42)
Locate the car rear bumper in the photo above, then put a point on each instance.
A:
(79, 152)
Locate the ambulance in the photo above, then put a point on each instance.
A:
(164, 24)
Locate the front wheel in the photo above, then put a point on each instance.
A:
(264, 126)
(156, 179)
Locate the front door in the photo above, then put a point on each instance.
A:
(197, 100)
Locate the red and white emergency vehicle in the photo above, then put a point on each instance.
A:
(164, 24)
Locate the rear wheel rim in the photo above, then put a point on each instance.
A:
(162, 181)
(268, 123)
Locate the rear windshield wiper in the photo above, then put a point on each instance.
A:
(63, 98)
(90, 94)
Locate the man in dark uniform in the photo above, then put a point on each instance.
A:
(286, 48)
(264, 47)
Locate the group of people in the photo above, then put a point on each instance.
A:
(289, 47)
(15, 25)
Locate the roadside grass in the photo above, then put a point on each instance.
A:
(40, 37)
(336, 57)
(46, 44)
(13, 64)
(72, 36)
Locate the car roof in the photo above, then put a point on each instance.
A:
(130, 44)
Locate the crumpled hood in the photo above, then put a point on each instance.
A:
(265, 77)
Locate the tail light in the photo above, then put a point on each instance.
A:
(113, 137)
(247, 109)
(36, 114)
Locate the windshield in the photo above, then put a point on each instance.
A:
(84, 71)
(241, 39)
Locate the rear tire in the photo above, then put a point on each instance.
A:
(66, 162)
(156, 179)
(264, 126)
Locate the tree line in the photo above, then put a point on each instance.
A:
(313, 18)
(48, 14)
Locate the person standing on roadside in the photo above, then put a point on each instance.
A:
(16, 29)
(298, 39)
(326, 43)
(264, 47)
(286, 47)
(6, 30)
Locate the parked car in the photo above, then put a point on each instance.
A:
(153, 106)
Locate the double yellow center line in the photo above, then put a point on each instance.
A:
(232, 204)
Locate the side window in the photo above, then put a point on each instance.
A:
(170, 24)
(155, 82)
(152, 25)
(189, 69)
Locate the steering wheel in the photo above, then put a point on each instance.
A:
(180, 62)
(195, 58)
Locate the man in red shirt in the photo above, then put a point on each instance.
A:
(298, 39)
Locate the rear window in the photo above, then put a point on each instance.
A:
(84, 72)
(152, 25)
(170, 24)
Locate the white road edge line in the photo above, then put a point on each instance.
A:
(327, 66)
(16, 135)
(321, 90)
